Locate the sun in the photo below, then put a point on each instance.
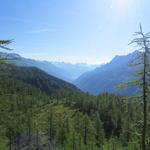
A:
(122, 4)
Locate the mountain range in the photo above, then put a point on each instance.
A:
(95, 79)
(61, 70)
(75, 70)
(107, 77)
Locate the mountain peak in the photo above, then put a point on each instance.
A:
(107, 77)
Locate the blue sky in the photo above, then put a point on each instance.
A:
(91, 31)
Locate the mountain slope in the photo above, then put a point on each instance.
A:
(38, 79)
(48, 67)
(62, 70)
(107, 77)
(30, 119)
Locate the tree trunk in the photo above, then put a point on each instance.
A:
(37, 139)
(144, 105)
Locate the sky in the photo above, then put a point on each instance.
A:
(91, 31)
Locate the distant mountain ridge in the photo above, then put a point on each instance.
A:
(16, 59)
(61, 70)
(75, 70)
(107, 77)
(104, 78)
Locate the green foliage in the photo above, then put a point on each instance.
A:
(141, 65)
(4, 43)
(31, 118)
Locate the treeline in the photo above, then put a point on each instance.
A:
(30, 119)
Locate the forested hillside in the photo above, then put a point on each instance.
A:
(31, 117)
(37, 78)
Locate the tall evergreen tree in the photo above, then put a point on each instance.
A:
(142, 64)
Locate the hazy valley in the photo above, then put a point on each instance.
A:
(75, 75)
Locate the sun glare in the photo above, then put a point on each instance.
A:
(122, 4)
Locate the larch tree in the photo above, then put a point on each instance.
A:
(3, 45)
(141, 64)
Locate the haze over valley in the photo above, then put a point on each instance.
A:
(75, 75)
(84, 76)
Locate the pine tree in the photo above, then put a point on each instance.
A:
(99, 129)
(142, 64)
(88, 130)
(4, 43)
